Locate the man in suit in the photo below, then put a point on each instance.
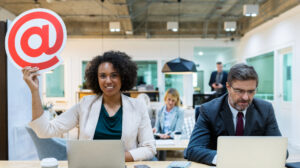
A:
(218, 80)
(237, 113)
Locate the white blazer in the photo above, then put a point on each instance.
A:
(137, 136)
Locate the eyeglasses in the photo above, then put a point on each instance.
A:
(242, 92)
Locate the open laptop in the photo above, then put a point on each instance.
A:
(95, 154)
(251, 152)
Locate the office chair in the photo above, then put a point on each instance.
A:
(49, 147)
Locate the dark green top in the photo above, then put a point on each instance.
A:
(109, 127)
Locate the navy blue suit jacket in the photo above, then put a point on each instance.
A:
(223, 81)
(215, 119)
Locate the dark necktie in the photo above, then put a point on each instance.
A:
(240, 124)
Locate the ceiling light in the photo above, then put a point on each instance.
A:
(179, 66)
(200, 53)
(251, 10)
(173, 26)
(114, 26)
(229, 26)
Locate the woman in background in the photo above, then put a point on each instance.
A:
(107, 115)
(169, 118)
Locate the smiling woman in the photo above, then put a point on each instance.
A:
(107, 115)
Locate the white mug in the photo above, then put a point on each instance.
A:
(49, 163)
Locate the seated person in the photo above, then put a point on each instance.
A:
(107, 115)
(237, 113)
(169, 118)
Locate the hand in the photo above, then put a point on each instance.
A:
(154, 130)
(214, 86)
(128, 157)
(164, 136)
(220, 86)
(30, 76)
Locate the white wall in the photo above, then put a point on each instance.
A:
(280, 32)
(79, 49)
(207, 62)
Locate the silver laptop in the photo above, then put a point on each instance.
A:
(251, 152)
(95, 154)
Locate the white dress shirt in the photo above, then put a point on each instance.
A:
(234, 118)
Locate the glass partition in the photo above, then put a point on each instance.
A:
(55, 82)
(264, 66)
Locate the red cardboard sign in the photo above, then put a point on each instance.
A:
(36, 38)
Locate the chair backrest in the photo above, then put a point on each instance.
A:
(145, 98)
(188, 126)
(49, 147)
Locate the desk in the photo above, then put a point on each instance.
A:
(174, 146)
(153, 94)
(64, 164)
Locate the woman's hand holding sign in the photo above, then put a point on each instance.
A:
(30, 76)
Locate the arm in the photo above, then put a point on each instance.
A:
(146, 143)
(157, 123)
(272, 126)
(198, 148)
(40, 124)
(61, 124)
(211, 80)
(179, 122)
(30, 76)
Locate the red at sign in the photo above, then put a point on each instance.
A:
(36, 38)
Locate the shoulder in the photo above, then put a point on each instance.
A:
(89, 99)
(261, 104)
(214, 106)
(179, 110)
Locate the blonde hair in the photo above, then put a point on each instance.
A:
(174, 93)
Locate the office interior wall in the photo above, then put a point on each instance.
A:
(5, 14)
(278, 33)
(160, 50)
(211, 55)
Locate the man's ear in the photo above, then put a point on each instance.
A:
(227, 86)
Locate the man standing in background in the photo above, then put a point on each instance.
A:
(218, 80)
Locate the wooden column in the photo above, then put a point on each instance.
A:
(3, 95)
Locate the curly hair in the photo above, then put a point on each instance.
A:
(121, 62)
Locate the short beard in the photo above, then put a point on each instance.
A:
(236, 106)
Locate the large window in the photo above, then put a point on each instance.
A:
(198, 81)
(83, 66)
(264, 66)
(174, 81)
(147, 73)
(287, 77)
(55, 82)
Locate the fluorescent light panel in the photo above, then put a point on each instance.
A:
(114, 26)
(229, 26)
(251, 10)
(173, 26)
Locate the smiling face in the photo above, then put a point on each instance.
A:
(241, 93)
(109, 79)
